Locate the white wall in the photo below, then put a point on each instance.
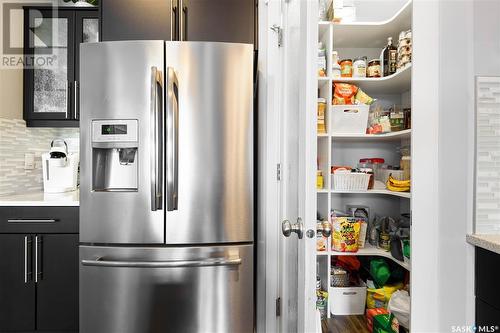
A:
(456, 92)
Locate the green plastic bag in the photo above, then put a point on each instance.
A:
(379, 270)
(385, 323)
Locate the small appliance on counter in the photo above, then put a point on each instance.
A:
(60, 168)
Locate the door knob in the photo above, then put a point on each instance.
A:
(287, 228)
(325, 228)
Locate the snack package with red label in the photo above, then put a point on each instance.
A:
(344, 93)
(371, 313)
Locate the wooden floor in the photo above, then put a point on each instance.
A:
(345, 324)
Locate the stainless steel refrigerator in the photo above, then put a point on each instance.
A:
(166, 187)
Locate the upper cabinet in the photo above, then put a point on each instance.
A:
(51, 44)
(185, 20)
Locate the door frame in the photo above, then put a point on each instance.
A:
(269, 232)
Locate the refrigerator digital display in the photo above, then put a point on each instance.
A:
(113, 129)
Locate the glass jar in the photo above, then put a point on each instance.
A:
(374, 69)
(359, 67)
(346, 68)
(321, 115)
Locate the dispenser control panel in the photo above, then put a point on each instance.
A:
(112, 130)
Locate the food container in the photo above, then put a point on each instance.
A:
(359, 67)
(347, 300)
(349, 119)
(321, 115)
(377, 164)
(339, 277)
(346, 68)
(397, 119)
(319, 180)
(405, 165)
(374, 69)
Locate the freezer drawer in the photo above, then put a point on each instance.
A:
(181, 289)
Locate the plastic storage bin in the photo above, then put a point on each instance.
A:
(349, 119)
(353, 181)
(347, 300)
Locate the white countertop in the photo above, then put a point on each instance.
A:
(487, 242)
(41, 198)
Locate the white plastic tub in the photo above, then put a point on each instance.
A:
(349, 119)
(347, 300)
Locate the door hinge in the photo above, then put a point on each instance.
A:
(278, 306)
(278, 171)
(279, 30)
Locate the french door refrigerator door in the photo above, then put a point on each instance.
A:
(181, 289)
(209, 142)
(121, 127)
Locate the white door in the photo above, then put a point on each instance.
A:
(297, 196)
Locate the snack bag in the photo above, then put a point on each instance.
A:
(371, 313)
(379, 297)
(385, 323)
(345, 234)
(344, 93)
(362, 98)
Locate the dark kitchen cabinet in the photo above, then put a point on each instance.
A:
(51, 45)
(17, 292)
(57, 286)
(487, 291)
(221, 21)
(191, 20)
(39, 270)
(137, 20)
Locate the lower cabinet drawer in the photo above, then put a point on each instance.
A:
(486, 316)
(39, 219)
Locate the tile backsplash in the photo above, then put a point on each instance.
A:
(16, 140)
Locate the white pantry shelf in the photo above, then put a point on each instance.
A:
(376, 191)
(386, 137)
(396, 83)
(370, 250)
(371, 34)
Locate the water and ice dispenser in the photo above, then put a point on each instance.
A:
(115, 155)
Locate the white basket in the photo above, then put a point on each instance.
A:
(347, 301)
(353, 181)
(349, 119)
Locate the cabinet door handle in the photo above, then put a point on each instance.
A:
(67, 98)
(31, 220)
(76, 99)
(38, 258)
(27, 259)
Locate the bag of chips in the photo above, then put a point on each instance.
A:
(345, 234)
(344, 93)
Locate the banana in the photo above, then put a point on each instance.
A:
(398, 185)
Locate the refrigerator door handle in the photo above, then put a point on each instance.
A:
(172, 140)
(156, 140)
(163, 264)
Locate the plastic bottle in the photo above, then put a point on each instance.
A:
(336, 71)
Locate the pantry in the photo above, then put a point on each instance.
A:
(363, 179)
